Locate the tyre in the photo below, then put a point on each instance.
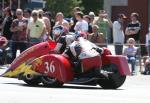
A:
(114, 79)
(50, 82)
(32, 80)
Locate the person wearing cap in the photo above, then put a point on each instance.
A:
(134, 27)
(87, 18)
(118, 33)
(81, 25)
(92, 16)
(73, 19)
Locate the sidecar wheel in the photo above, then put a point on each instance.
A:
(32, 82)
(114, 80)
(50, 82)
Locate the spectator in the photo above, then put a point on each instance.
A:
(81, 25)
(46, 36)
(3, 45)
(92, 16)
(35, 29)
(131, 52)
(19, 37)
(118, 33)
(61, 21)
(52, 22)
(73, 20)
(88, 20)
(7, 23)
(27, 14)
(134, 27)
(96, 37)
(104, 23)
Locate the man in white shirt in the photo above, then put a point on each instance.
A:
(81, 25)
(118, 34)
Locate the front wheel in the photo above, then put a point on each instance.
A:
(32, 80)
(114, 79)
(50, 82)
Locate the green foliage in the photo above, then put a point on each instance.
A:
(65, 6)
(92, 5)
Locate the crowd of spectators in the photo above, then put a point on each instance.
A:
(29, 27)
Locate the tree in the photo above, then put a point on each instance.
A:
(64, 6)
(92, 5)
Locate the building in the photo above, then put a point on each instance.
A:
(14, 4)
(127, 7)
(34, 4)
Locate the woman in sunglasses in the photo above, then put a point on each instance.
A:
(19, 37)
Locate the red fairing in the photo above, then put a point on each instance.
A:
(32, 53)
(121, 62)
(93, 62)
(54, 65)
(103, 57)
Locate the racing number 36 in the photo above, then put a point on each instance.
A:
(49, 67)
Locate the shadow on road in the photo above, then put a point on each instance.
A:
(82, 87)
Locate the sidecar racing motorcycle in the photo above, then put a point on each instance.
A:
(40, 65)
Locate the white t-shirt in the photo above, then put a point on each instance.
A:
(81, 25)
(118, 34)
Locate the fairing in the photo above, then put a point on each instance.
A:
(28, 56)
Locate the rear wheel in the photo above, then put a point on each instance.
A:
(50, 82)
(114, 79)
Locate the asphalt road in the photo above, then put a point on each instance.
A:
(136, 89)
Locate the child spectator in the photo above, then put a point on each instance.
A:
(131, 52)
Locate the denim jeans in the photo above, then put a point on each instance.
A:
(132, 60)
(34, 41)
